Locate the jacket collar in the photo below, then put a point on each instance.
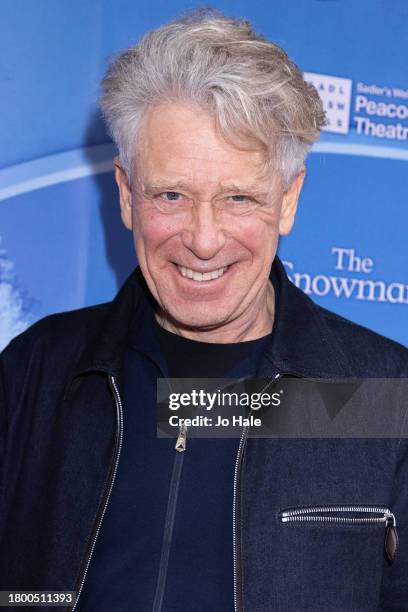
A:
(105, 352)
(301, 342)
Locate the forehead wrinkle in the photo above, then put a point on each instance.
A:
(190, 181)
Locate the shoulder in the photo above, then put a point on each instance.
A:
(369, 353)
(56, 336)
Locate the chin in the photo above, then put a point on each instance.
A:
(197, 320)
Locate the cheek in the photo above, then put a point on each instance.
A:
(152, 229)
(259, 232)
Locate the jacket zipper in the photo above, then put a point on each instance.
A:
(180, 447)
(119, 440)
(236, 510)
(327, 514)
(168, 532)
(181, 441)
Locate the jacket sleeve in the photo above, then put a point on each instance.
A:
(394, 594)
(3, 429)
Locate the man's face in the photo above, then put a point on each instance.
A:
(205, 220)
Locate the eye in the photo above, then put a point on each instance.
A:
(242, 201)
(170, 196)
(238, 204)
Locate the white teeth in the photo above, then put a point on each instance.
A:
(202, 276)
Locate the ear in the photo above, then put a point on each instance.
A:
(125, 194)
(289, 203)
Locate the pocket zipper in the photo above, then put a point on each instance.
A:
(319, 513)
(326, 514)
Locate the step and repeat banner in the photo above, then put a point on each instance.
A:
(62, 245)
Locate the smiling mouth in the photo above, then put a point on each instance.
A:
(202, 276)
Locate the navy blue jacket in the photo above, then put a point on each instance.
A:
(61, 436)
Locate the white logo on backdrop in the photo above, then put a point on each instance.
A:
(361, 288)
(381, 118)
(379, 111)
(335, 93)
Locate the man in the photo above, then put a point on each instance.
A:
(213, 124)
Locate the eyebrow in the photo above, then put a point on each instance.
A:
(165, 186)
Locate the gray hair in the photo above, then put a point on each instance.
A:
(248, 84)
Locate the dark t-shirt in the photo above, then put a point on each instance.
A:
(187, 358)
(129, 570)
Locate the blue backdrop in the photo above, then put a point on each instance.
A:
(62, 245)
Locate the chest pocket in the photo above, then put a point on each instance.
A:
(350, 516)
(333, 556)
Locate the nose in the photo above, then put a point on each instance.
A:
(204, 236)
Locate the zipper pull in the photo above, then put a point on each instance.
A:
(181, 439)
(391, 538)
